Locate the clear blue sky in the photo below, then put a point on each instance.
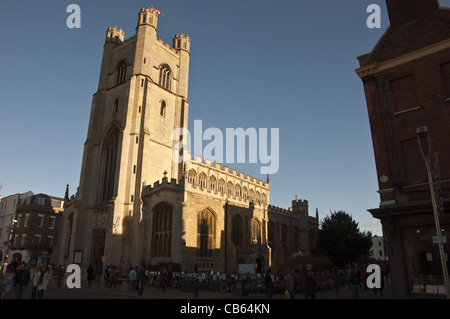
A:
(254, 63)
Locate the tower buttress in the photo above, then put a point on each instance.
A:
(114, 38)
(146, 31)
(182, 44)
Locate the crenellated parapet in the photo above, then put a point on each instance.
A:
(115, 35)
(298, 210)
(181, 42)
(279, 210)
(206, 176)
(173, 185)
(313, 220)
(148, 16)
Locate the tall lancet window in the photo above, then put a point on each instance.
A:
(165, 76)
(121, 72)
(108, 166)
(162, 231)
(205, 233)
(236, 230)
(256, 231)
(162, 111)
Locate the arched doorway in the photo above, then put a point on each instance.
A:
(98, 262)
(259, 267)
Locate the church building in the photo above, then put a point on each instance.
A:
(136, 205)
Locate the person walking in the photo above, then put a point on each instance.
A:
(140, 281)
(132, 277)
(162, 280)
(269, 284)
(291, 284)
(21, 280)
(40, 281)
(383, 274)
(364, 276)
(90, 275)
(358, 277)
(112, 276)
(310, 286)
(351, 277)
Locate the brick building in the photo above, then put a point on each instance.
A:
(8, 206)
(406, 81)
(35, 232)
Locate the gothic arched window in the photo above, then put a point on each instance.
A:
(237, 190)
(296, 239)
(271, 236)
(205, 233)
(165, 76)
(121, 72)
(116, 105)
(192, 177)
(256, 231)
(284, 239)
(212, 183)
(236, 230)
(230, 189)
(108, 164)
(202, 180)
(162, 231)
(251, 195)
(264, 199)
(221, 185)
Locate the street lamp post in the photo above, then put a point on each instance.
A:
(11, 231)
(423, 132)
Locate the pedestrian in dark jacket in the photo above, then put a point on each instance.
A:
(310, 286)
(90, 275)
(21, 280)
(291, 284)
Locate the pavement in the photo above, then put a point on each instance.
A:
(150, 292)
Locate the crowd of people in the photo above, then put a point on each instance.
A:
(292, 284)
(308, 282)
(137, 277)
(36, 275)
(305, 281)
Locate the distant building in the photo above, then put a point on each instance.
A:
(406, 80)
(377, 251)
(8, 206)
(36, 229)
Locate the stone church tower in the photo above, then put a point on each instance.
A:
(141, 99)
(136, 205)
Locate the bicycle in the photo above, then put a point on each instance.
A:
(228, 285)
(5, 287)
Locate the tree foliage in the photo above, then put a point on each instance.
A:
(341, 239)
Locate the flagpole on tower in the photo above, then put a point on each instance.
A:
(157, 11)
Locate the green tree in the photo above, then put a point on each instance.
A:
(341, 239)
